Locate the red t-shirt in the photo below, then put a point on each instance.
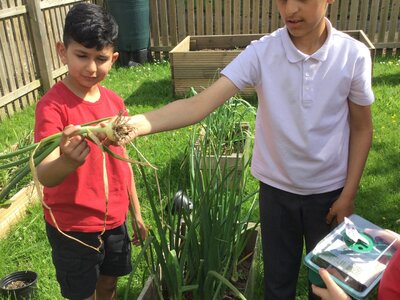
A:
(79, 202)
(389, 287)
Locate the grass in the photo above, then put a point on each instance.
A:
(148, 87)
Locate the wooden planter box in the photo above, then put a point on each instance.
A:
(226, 163)
(253, 249)
(197, 60)
(19, 202)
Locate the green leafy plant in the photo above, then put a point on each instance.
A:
(225, 129)
(198, 242)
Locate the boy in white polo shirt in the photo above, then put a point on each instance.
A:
(313, 130)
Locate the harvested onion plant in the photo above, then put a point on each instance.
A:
(196, 249)
(22, 161)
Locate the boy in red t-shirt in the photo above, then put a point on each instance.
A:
(85, 215)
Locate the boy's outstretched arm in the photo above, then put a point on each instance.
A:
(359, 145)
(65, 159)
(184, 112)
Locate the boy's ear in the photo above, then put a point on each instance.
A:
(61, 51)
(114, 57)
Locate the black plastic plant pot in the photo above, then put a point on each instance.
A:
(19, 285)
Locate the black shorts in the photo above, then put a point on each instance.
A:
(78, 267)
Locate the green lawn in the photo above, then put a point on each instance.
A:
(148, 87)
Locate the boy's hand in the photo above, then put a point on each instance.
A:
(74, 148)
(342, 207)
(140, 232)
(332, 290)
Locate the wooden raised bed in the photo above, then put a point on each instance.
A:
(197, 60)
(234, 161)
(19, 202)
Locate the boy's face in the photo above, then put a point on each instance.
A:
(303, 18)
(86, 66)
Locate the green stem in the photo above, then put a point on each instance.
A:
(23, 171)
(14, 163)
(56, 136)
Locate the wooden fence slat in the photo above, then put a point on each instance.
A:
(154, 25)
(227, 17)
(236, 16)
(364, 12)
(22, 77)
(7, 58)
(246, 17)
(218, 19)
(163, 12)
(4, 88)
(41, 43)
(16, 93)
(255, 25)
(333, 13)
(344, 12)
(14, 64)
(180, 11)
(46, 4)
(191, 27)
(394, 19)
(50, 35)
(383, 15)
(275, 19)
(27, 53)
(209, 17)
(58, 33)
(171, 4)
(353, 15)
(266, 16)
(199, 17)
(11, 12)
(374, 11)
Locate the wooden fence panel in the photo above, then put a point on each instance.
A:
(30, 29)
(29, 64)
(379, 19)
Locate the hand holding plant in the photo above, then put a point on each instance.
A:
(74, 147)
(118, 130)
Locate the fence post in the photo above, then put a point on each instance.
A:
(41, 42)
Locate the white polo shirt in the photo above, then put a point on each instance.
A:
(302, 125)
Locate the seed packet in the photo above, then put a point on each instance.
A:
(355, 253)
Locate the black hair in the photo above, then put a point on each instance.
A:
(91, 26)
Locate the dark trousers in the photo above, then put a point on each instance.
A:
(287, 221)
